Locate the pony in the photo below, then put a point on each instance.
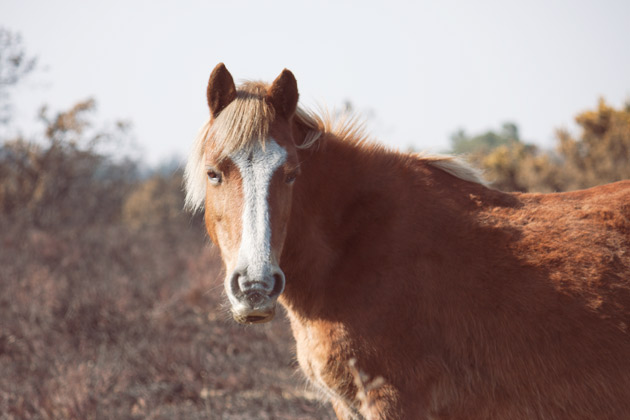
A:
(465, 302)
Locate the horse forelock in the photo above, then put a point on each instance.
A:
(242, 123)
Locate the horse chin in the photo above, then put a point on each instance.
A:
(255, 316)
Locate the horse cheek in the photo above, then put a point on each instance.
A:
(212, 220)
(280, 209)
(215, 220)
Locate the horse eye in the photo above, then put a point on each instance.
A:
(290, 178)
(214, 177)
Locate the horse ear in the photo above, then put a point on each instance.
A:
(221, 89)
(283, 94)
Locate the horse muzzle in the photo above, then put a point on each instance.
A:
(253, 298)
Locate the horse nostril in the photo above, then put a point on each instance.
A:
(235, 283)
(278, 284)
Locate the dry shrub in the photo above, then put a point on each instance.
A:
(599, 154)
(155, 202)
(61, 178)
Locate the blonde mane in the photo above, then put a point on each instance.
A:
(454, 166)
(247, 119)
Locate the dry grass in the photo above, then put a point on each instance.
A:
(110, 322)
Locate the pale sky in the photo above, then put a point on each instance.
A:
(419, 70)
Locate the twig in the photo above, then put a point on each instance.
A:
(364, 386)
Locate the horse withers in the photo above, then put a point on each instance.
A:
(466, 302)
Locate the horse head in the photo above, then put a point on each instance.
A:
(251, 164)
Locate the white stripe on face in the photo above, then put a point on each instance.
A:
(257, 168)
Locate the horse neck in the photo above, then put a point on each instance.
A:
(346, 195)
(357, 204)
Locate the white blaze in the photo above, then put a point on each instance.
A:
(257, 167)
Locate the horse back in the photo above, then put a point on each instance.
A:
(545, 286)
(581, 236)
